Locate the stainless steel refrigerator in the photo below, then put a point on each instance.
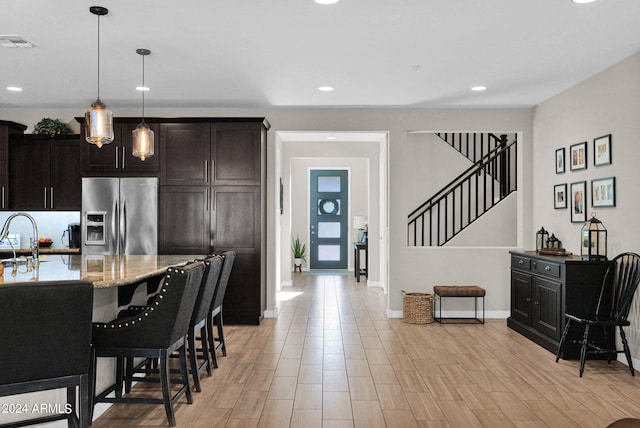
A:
(119, 215)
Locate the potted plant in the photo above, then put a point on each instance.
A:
(51, 127)
(299, 252)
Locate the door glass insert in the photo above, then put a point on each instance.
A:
(329, 253)
(328, 184)
(329, 229)
(329, 206)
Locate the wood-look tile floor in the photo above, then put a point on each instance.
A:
(332, 359)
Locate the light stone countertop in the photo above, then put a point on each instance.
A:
(104, 271)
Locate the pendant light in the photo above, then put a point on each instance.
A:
(142, 146)
(98, 119)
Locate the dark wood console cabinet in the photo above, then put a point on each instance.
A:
(543, 288)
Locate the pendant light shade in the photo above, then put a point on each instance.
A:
(143, 144)
(98, 119)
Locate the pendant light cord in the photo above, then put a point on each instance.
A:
(143, 88)
(98, 56)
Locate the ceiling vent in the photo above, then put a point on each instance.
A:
(15, 42)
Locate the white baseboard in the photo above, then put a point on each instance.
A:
(271, 313)
(459, 314)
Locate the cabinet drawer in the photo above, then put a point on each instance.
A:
(522, 263)
(546, 268)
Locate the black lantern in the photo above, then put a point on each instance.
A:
(542, 238)
(594, 240)
(554, 242)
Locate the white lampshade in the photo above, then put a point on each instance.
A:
(360, 222)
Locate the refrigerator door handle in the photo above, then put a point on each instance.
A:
(114, 227)
(123, 229)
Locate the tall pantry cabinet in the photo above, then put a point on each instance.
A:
(9, 131)
(213, 199)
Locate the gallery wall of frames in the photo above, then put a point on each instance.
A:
(581, 196)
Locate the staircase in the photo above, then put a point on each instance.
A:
(489, 180)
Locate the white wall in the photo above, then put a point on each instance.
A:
(409, 268)
(608, 103)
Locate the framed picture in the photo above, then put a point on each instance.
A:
(560, 196)
(560, 161)
(603, 192)
(602, 150)
(578, 154)
(578, 202)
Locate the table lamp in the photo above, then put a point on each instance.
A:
(360, 222)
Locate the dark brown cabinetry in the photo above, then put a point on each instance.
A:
(116, 158)
(9, 131)
(45, 173)
(212, 199)
(543, 288)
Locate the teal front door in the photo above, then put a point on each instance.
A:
(329, 221)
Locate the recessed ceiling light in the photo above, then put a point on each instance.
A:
(14, 89)
(331, 137)
(325, 88)
(479, 88)
(326, 1)
(142, 88)
(583, 1)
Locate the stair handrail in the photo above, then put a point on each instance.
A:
(442, 193)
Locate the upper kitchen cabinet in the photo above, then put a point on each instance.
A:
(45, 173)
(116, 158)
(215, 152)
(187, 153)
(8, 132)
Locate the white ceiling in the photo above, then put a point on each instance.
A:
(260, 53)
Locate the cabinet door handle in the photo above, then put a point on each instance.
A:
(206, 204)
(206, 171)
(528, 299)
(123, 152)
(547, 268)
(45, 197)
(116, 157)
(51, 199)
(213, 171)
(520, 262)
(536, 303)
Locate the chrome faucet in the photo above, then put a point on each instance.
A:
(33, 243)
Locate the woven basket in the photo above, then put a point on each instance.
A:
(417, 308)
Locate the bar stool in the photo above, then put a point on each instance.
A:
(157, 332)
(45, 337)
(215, 314)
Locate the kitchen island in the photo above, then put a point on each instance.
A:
(118, 281)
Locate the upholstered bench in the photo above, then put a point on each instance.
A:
(446, 291)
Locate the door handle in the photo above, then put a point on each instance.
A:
(45, 197)
(206, 171)
(123, 152)
(51, 198)
(116, 157)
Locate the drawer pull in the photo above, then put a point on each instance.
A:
(520, 262)
(547, 268)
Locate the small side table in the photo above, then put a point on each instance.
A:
(357, 247)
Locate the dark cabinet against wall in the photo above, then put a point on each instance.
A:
(9, 131)
(212, 199)
(116, 159)
(45, 173)
(543, 288)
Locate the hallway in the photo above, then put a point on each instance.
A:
(333, 359)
